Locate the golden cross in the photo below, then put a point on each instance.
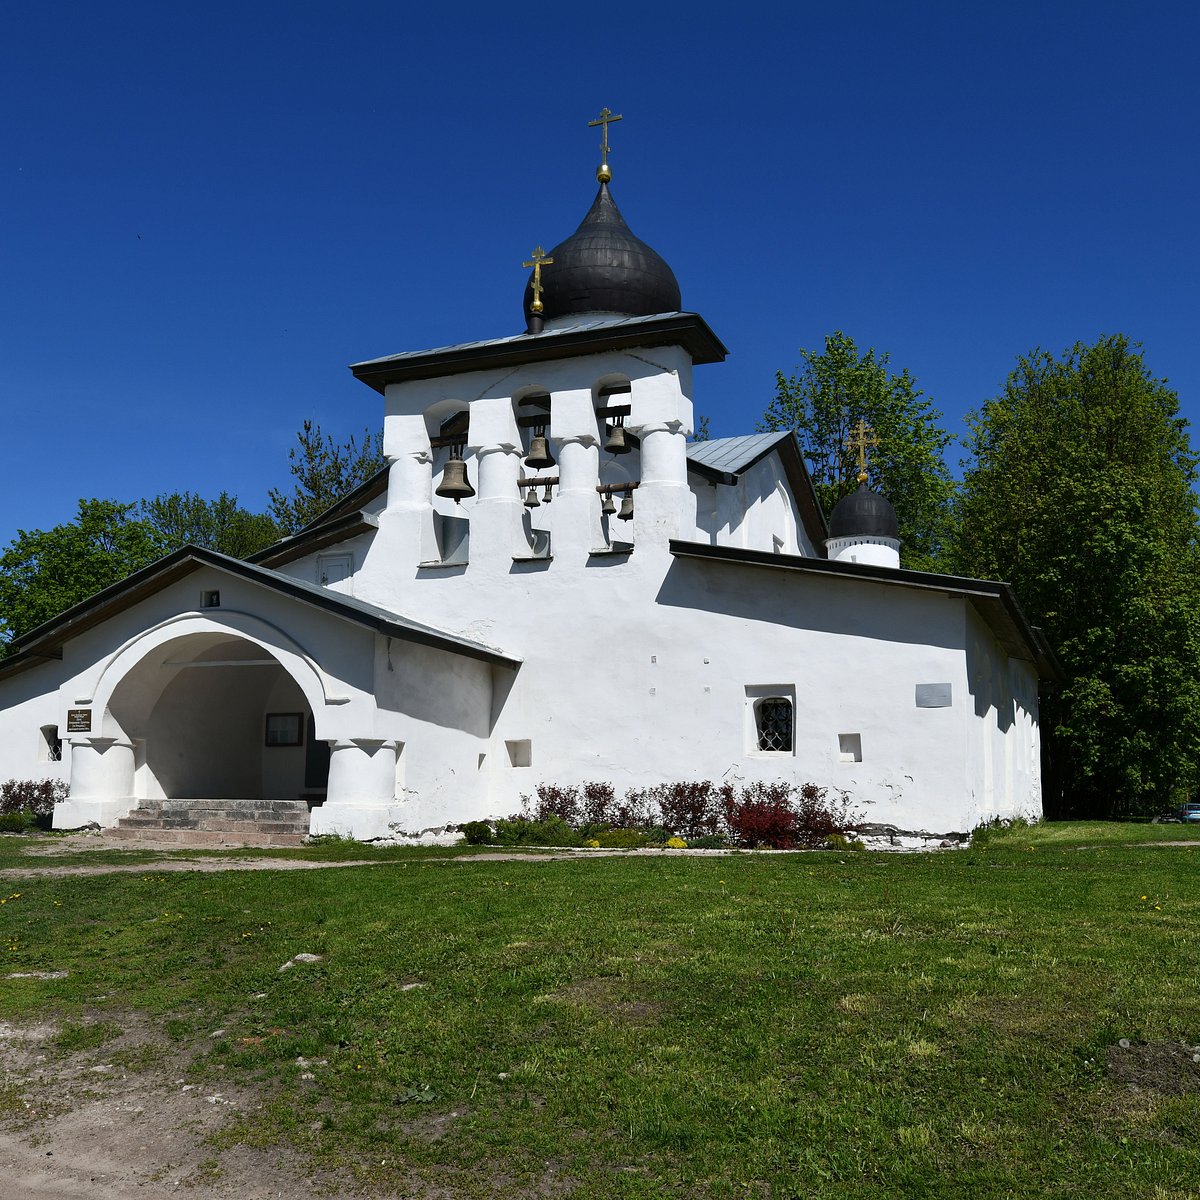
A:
(539, 261)
(605, 118)
(861, 437)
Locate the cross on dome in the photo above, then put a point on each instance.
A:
(539, 259)
(861, 438)
(606, 117)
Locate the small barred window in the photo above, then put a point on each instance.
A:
(50, 744)
(773, 719)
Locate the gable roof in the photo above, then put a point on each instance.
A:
(46, 641)
(995, 602)
(722, 460)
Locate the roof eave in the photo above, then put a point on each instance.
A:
(996, 602)
(313, 538)
(46, 640)
(688, 330)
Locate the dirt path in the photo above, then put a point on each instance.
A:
(91, 1128)
(180, 860)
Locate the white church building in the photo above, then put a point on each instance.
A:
(546, 584)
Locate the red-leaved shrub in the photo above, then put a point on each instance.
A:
(760, 814)
(37, 796)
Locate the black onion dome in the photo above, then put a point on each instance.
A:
(602, 267)
(863, 513)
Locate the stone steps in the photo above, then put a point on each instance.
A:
(205, 837)
(216, 822)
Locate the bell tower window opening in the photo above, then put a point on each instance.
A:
(452, 437)
(773, 724)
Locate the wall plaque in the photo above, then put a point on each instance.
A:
(934, 695)
(79, 720)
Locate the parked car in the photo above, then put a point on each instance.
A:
(1190, 812)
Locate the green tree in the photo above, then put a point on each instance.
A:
(324, 471)
(184, 518)
(1079, 491)
(44, 572)
(825, 398)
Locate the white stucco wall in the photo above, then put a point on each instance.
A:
(28, 702)
(758, 512)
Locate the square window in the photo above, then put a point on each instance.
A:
(849, 747)
(285, 729)
(333, 568)
(210, 599)
(520, 753)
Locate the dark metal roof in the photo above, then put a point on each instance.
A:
(863, 513)
(326, 531)
(995, 602)
(46, 641)
(603, 267)
(574, 338)
(734, 454)
(339, 522)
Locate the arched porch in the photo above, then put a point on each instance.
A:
(210, 717)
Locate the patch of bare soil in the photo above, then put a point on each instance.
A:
(1168, 1068)
(604, 995)
(121, 1120)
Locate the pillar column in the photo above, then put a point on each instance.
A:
(361, 796)
(101, 783)
(407, 535)
(576, 515)
(663, 505)
(410, 480)
(496, 532)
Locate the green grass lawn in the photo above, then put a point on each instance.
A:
(833, 1025)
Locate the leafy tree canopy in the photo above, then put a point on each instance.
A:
(44, 572)
(823, 401)
(1079, 492)
(324, 471)
(184, 518)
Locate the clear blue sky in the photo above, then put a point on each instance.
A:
(208, 211)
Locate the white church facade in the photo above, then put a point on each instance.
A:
(547, 584)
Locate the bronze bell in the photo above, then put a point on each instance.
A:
(531, 500)
(546, 496)
(614, 441)
(539, 453)
(455, 483)
(626, 513)
(608, 507)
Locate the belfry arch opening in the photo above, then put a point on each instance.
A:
(216, 716)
